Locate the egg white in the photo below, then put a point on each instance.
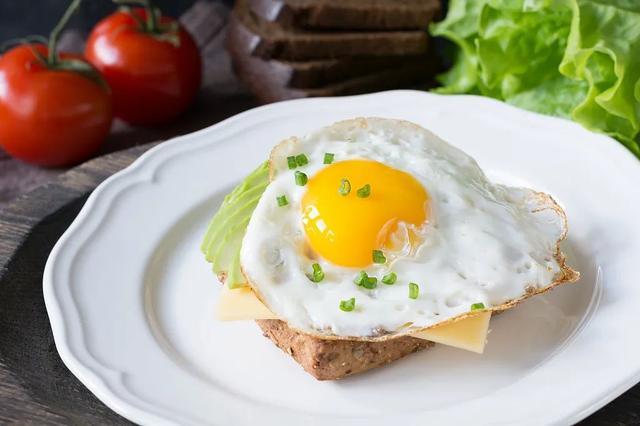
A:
(483, 243)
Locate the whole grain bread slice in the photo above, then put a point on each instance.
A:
(349, 14)
(311, 74)
(270, 40)
(330, 359)
(335, 359)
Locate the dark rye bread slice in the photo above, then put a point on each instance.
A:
(265, 81)
(321, 73)
(267, 92)
(349, 14)
(272, 41)
(315, 73)
(334, 359)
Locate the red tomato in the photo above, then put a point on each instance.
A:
(50, 117)
(154, 73)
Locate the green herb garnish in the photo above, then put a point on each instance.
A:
(365, 191)
(364, 280)
(301, 178)
(282, 201)
(328, 157)
(378, 257)
(370, 283)
(301, 160)
(291, 162)
(345, 187)
(348, 305)
(390, 278)
(361, 278)
(477, 306)
(414, 291)
(317, 275)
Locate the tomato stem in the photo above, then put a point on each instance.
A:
(151, 25)
(152, 18)
(55, 34)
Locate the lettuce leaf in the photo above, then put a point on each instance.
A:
(568, 58)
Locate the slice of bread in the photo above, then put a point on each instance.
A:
(349, 14)
(270, 40)
(273, 81)
(330, 359)
(334, 359)
(314, 73)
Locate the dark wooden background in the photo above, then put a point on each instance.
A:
(19, 18)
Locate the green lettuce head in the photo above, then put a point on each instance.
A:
(577, 59)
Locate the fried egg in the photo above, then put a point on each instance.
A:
(374, 228)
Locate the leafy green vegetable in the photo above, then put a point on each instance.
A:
(577, 59)
(223, 239)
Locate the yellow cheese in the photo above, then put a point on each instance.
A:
(469, 334)
(241, 304)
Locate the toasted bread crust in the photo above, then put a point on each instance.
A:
(334, 359)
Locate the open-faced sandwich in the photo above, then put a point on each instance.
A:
(373, 238)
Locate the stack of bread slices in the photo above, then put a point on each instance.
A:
(285, 49)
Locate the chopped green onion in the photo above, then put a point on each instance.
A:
(328, 157)
(345, 187)
(282, 201)
(378, 257)
(291, 162)
(414, 291)
(361, 278)
(301, 179)
(317, 275)
(477, 306)
(390, 278)
(364, 280)
(301, 160)
(365, 191)
(370, 283)
(348, 305)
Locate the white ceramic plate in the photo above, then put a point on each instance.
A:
(131, 299)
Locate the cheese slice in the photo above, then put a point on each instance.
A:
(469, 334)
(241, 304)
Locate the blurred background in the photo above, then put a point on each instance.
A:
(245, 62)
(254, 52)
(19, 18)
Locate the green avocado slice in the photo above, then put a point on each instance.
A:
(228, 223)
(223, 238)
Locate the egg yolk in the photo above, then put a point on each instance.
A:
(345, 229)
